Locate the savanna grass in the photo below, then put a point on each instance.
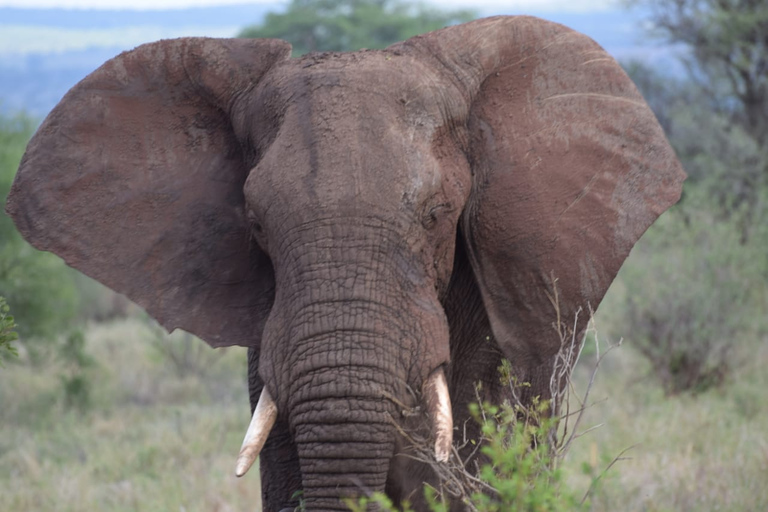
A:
(149, 439)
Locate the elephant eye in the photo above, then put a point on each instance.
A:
(256, 227)
(429, 220)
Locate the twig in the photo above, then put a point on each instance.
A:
(614, 461)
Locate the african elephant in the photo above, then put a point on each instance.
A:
(380, 228)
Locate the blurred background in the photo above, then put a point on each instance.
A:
(100, 409)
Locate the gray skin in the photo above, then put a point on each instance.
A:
(359, 221)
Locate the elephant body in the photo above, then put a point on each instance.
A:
(370, 224)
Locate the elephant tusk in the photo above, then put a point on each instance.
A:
(439, 406)
(261, 424)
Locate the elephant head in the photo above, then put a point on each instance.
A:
(373, 225)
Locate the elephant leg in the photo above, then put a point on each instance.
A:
(279, 460)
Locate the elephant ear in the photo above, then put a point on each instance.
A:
(570, 167)
(136, 179)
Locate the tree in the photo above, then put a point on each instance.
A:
(725, 54)
(348, 25)
(728, 52)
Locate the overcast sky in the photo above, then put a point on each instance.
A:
(31, 36)
(537, 5)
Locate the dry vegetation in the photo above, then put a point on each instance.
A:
(154, 438)
(150, 440)
(707, 451)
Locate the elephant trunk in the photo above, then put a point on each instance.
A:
(341, 455)
(341, 417)
(355, 332)
(340, 411)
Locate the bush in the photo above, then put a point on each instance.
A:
(695, 284)
(523, 447)
(76, 381)
(690, 294)
(7, 333)
(521, 473)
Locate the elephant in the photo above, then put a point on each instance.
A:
(380, 228)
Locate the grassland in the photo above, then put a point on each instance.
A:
(700, 452)
(157, 435)
(162, 430)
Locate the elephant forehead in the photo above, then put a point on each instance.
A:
(354, 127)
(371, 80)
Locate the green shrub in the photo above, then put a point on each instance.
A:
(7, 333)
(521, 470)
(521, 473)
(693, 289)
(523, 447)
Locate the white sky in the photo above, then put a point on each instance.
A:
(23, 40)
(537, 5)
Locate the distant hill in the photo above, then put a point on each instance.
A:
(44, 52)
(35, 80)
(105, 18)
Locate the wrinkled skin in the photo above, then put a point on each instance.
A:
(359, 221)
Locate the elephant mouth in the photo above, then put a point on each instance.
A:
(435, 395)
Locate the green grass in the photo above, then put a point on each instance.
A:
(156, 439)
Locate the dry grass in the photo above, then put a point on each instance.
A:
(703, 452)
(155, 440)
(151, 441)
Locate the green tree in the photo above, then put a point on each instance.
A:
(38, 286)
(725, 53)
(348, 25)
(726, 44)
